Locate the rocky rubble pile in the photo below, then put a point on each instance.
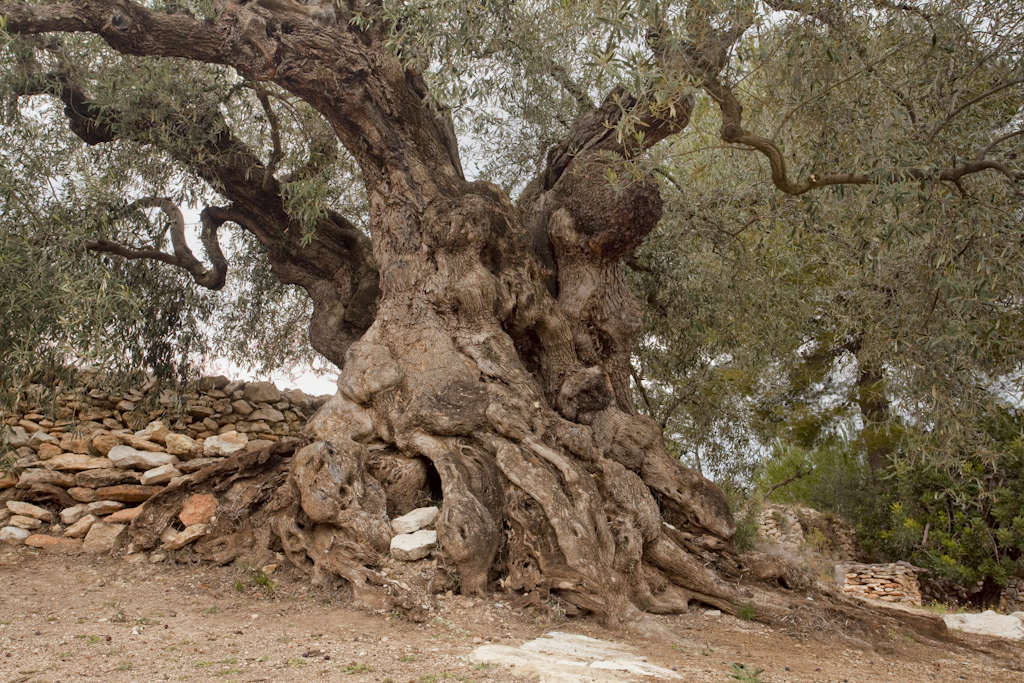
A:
(887, 582)
(77, 470)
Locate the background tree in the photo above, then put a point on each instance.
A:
(486, 343)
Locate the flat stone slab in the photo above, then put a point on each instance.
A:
(415, 520)
(411, 547)
(988, 623)
(127, 457)
(568, 658)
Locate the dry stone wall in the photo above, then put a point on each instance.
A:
(895, 582)
(77, 469)
(794, 526)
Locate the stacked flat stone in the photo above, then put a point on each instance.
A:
(1012, 599)
(96, 457)
(895, 582)
(781, 523)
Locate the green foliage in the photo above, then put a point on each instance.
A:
(746, 673)
(837, 479)
(962, 522)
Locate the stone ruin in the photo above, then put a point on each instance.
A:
(77, 469)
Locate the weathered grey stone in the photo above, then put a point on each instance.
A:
(141, 444)
(183, 538)
(415, 520)
(40, 476)
(37, 439)
(224, 444)
(199, 412)
(212, 382)
(267, 414)
(104, 507)
(570, 658)
(73, 514)
(988, 623)
(159, 475)
(241, 407)
(18, 507)
(127, 457)
(232, 387)
(16, 438)
(94, 479)
(83, 494)
(12, 535)
(261, 392)
(80, 528)
(23, 522)
(103, 538)
(196, 464)
(76, 462)
(415, 546)
(156, 432)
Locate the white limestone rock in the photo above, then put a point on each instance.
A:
(127, 457)
(12, 535)
(988, 623)
(225, 444)
(569, 658)
(415, 546)
(419, 518)
(28, 510)
(159, 475)
(183, 538)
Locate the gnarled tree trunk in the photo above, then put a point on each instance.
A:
(497, 360)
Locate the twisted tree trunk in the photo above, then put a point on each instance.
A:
(497, 360)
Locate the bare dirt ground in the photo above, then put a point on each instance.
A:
(78, 619)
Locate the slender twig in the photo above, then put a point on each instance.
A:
(800, 474)
(275, 137)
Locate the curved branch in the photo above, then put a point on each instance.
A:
(182, 257)
(956, 112)
(992, 145)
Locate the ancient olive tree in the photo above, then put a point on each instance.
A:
(484, 343)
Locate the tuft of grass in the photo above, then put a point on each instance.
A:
(407, 658)
(746, 612)
(296, 663)
(745, 673)
(356, 668)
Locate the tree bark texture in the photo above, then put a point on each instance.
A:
(497, 359)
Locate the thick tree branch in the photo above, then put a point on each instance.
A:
(128, 27)
(182, 257)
